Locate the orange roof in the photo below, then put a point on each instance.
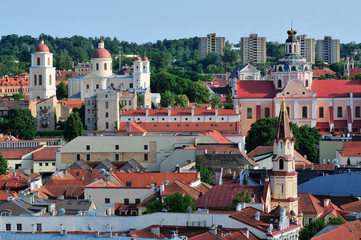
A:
(134, 128)
(45, 154)
(180, 187)
(24, 74)
(205, 236)
(322, 72)
(8, 138)
(309, 204)
(302, 159)
(352, 149)
(72, 103)
(44, 193)
(5, 194)
(353, 206)
(239, 236)
(354, 227)
(62, 74)
(102, 184)
(216, 136)
(336, 234)
(17, 153)
(145, 179)
(15, 81)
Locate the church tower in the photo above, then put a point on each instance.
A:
(141, 74)
(284, 176)
(42, 73)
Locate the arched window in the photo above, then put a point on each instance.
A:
(97, 66)
(38, 61)
(289, 49)
(280, 69)
(295, 47)
(40, 79)
(48, 61)
(306, 83)
(35, 82)
(105, 66)
(293, 68)
(279, 83)
(49, 80)
(282, 163)
(306, 68)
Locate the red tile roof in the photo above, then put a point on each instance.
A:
(336, 88)
(205, 236)
(335, 211)
(309, 204)
(134, 128)
(322, 72)
(352, 149)
(17, 153)
(260, 150)
(45, 154)
(15, 81)
(180, 112)
(72, 103)
(216, 136)
(145, 179)
(354, 227)
(5, 194)
(62, 75)
(255, 89)
(102, 184)
(337, 234)
(217, 83)
(355, 71)
(87, 176)
(181, 187)
(353, 206)
(220, 148)
(239, 236)
(220, 196)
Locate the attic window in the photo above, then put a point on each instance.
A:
(79, 203)
(128, 184)
(70, 202)
(78, 173)
(187, 125)
(288, 92)
(197, 125)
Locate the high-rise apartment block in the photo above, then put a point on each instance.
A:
(253, 49)
(211, 43)
(307, 48)
(328, 50)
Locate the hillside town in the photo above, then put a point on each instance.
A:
(256, 147)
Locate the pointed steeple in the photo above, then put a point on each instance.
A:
(283, 127)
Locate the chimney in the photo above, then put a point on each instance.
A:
(216, 112)
(127, 128)
(326, 202)
(245, 232)
(146, 112)
(312, 166)
(96, 233)
(169, 111)
(192, 111)
(161, 188)
(213, 229)
(64, 232)
(177, 168)
(61, 197)
(155, 230)
(90, 198)
(257, 216)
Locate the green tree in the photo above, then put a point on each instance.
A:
(167, 99)
(312, 228)
(199, 93)
(3, 165)
(307, 140)
(182, 100)
(17, 96)
(177, 203)
(215, 100)
(19, 122)
(228, 104)
(154, 206)
(73, 127)
(205, 173)
(240, 197)
(81, 112)
(261, 133)
(358, 76)
(61, 91)
(160, 60)
(335, 221)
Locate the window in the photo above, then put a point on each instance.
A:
(357, 111)
(53, 164)
(130, 85)
(87, 147)
(304, 112)
(7, 226)
(107, 200)
(106, 105)
(145, 156)
(96, 86)
(126, 200)
(40, 79)
(106, 114)
(47, 164)
(249, 112)
(106, 125)
(137, 200)
(310, 220)
(49, 61)
(38, 61)
(128, 184)
(35, 80)
(105, 66)
(279, 83)
(88, 157)
(320, 112)
(145, 147)
(5, 214)
(87, 86)
(266, 112)
(38, 227)
(339, 112)
(40, 164)
(130, 102)
(288, 111)
(281, 164)
(97, 66)
(306, 83)
(293, 68)
(280, 69)
(116, 147)
(282, 188)
(50, 80)
(117, 157)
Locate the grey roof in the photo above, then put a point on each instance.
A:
(133, 166)
(106, 164)
(338, 185)
(77, 77)
(81, 164)
(20, 207)
(234, 74)
(71, 204)
(46, 236)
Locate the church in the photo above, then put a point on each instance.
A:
(101, 76)
(325, 104)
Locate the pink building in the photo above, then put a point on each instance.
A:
(324, 104)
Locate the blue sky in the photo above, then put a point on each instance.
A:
(150, 20)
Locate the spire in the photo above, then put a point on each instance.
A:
(283, 128)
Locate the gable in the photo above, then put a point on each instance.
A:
(295, 88)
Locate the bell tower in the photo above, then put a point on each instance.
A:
(42, 73)
(284, 176)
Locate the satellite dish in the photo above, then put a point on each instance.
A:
(335, 162)
(102, 171)
(61, 212)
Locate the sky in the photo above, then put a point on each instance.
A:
(144, 21)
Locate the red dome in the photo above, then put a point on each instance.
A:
(145, 59)
(101, 53)
(137, 59)
(42, 48)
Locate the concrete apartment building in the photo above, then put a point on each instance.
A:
(211, 43)
(307, 47)
(328, 50)
(253, 49)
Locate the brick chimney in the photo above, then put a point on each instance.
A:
(326, 202)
